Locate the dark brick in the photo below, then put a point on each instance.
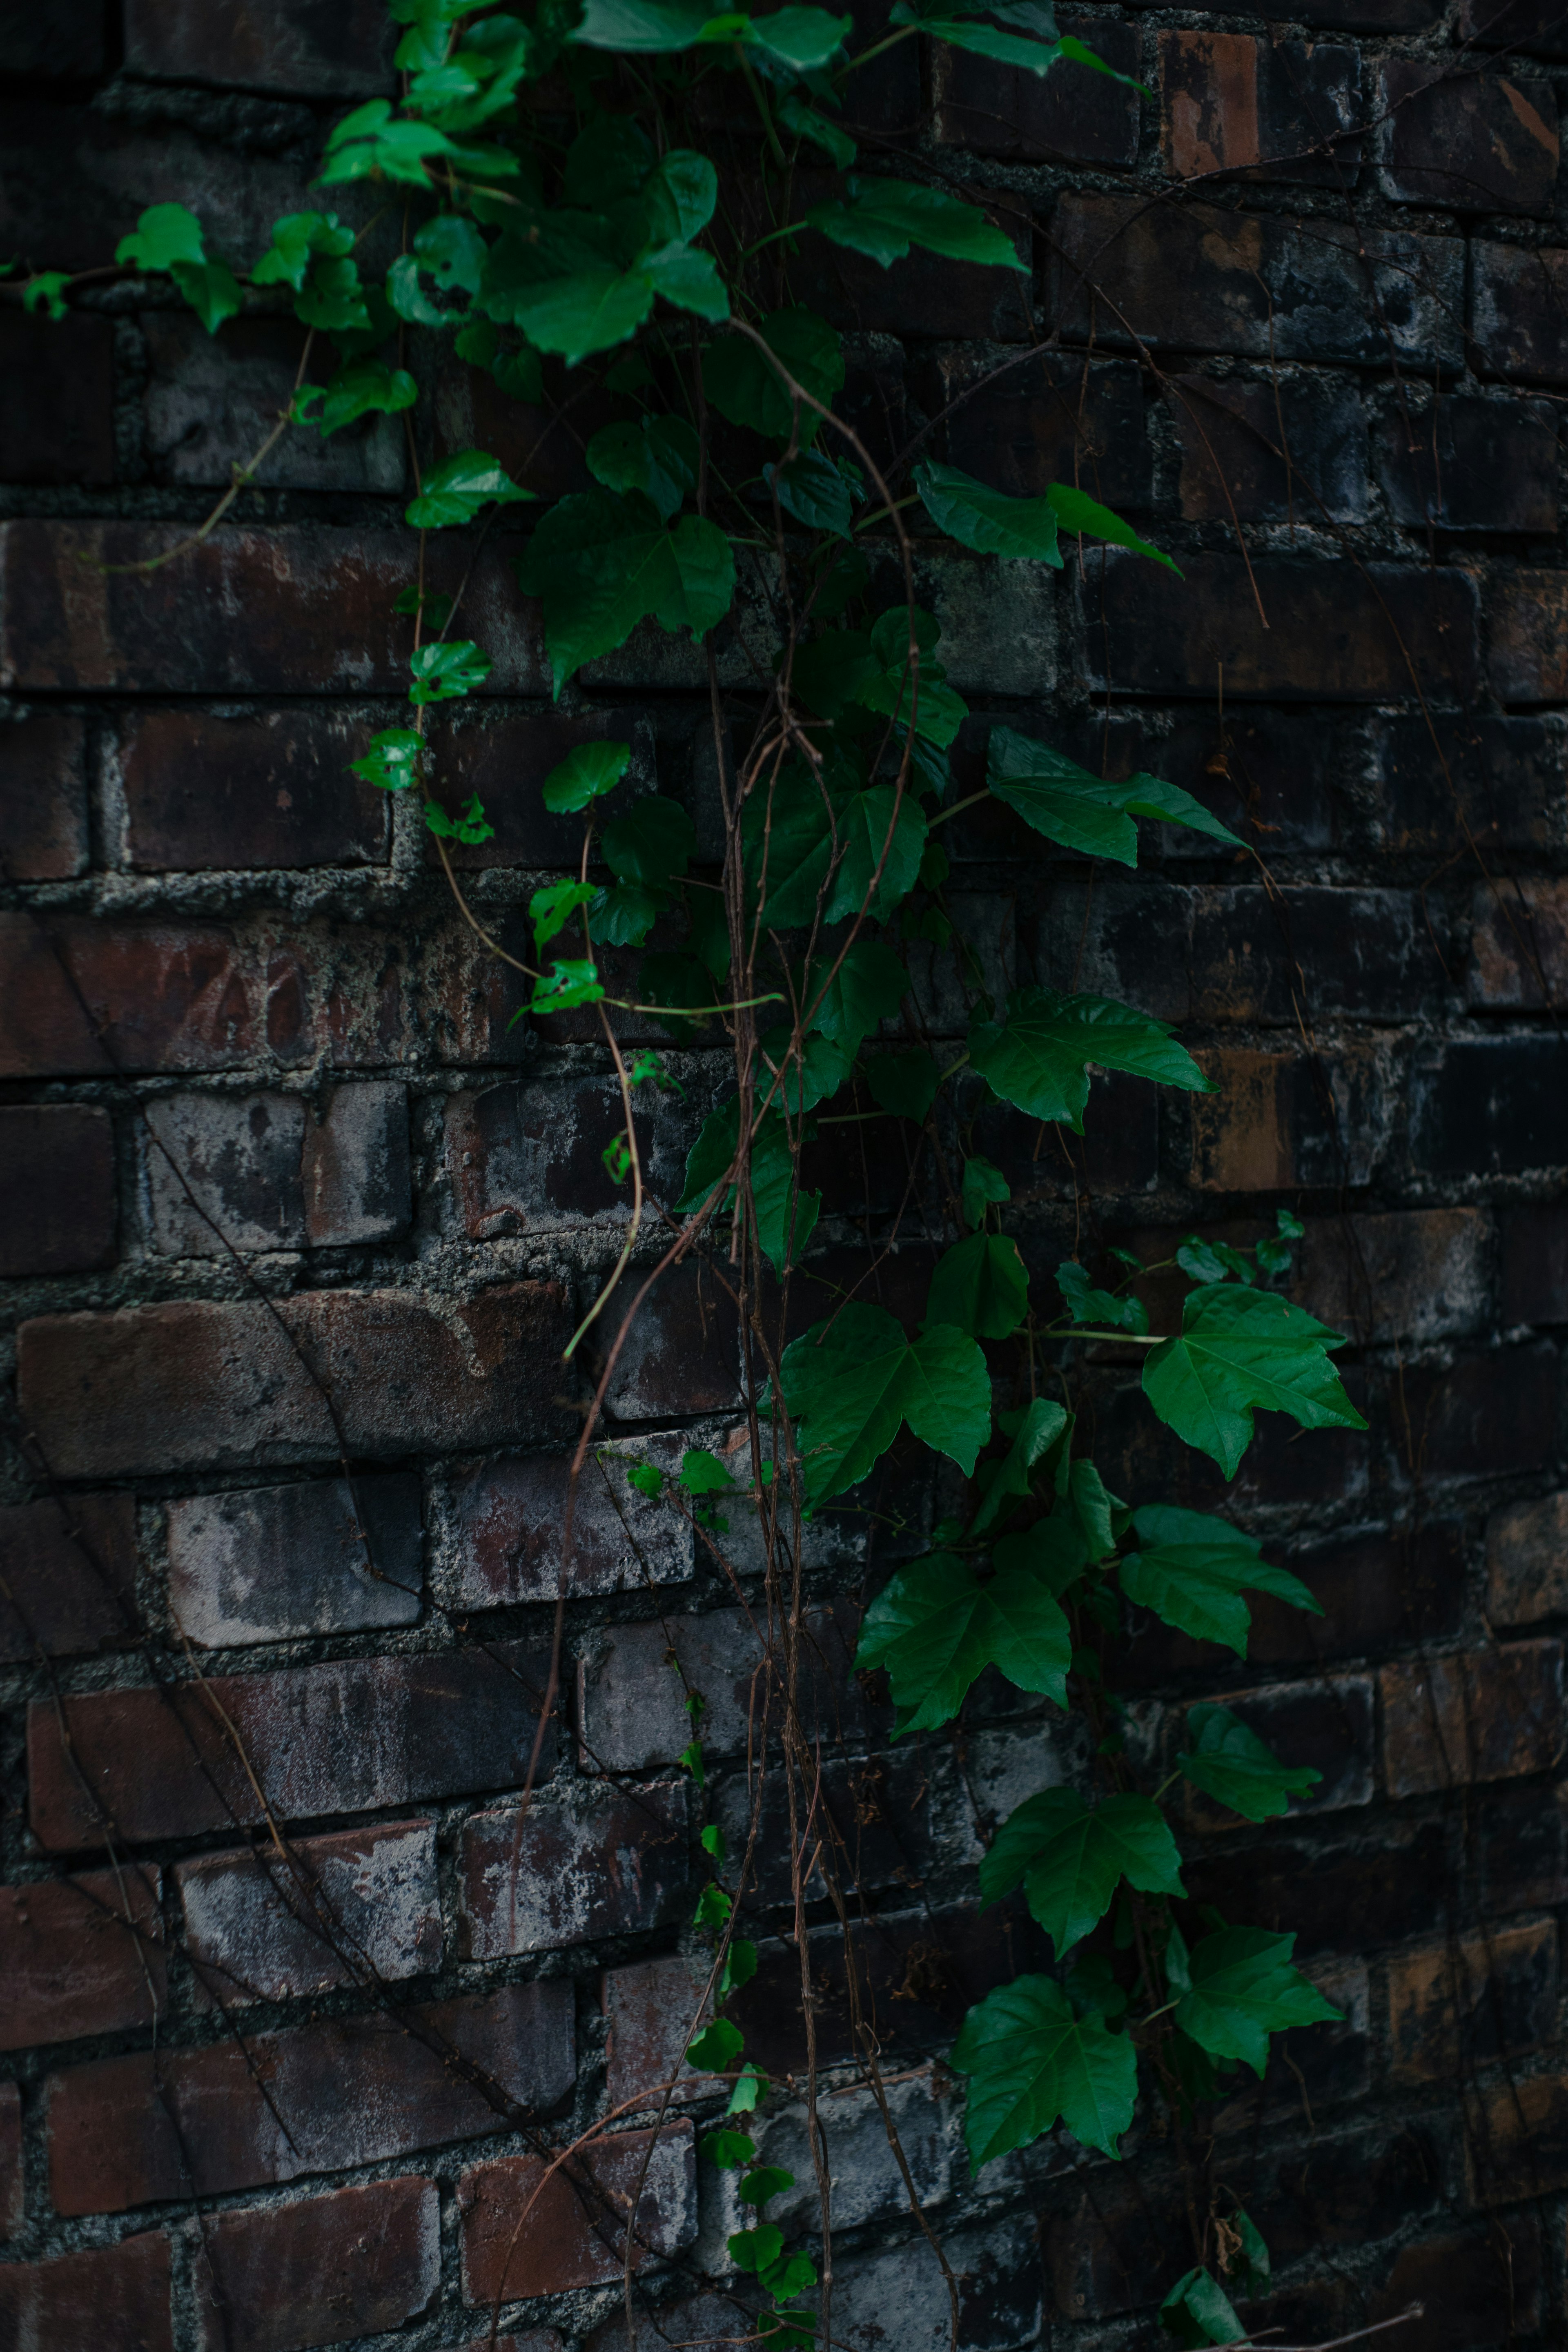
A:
(1102, 2256)
(1270, 775)
(1264, 957)
(356, 1175)
(1344, 2192)
(652, 2010)
(512, 1514)
(349, 2263)
(1291, 451)
(1054, 420)
(1287, 1118)
(1483, 1715)
(572, 1869)
(923, 295)
(1331, 2063)
(1373, 636)
(265, 1563)
(1478, 2287)
(56, 397)
(875, 1816)
(114, 2299)
(1420, 1274)
(1466, 464)
(1281, 111)
(336, 1738)
(1119, 1151)
(898, 2295)
(1518, 318)
(224, 1172)
(1516, 2143)
(204, 793)
(1533, 25)
(680, 1355)
(523, 1157)
(506, 757)
(345, 2091)
(58, 1206)
(64, 42)
(1522, 1844)
(536, 441)
(1477, 141)
(85, 998)
(1519, 945)
(67, 1592)
(631, 1705)
(1535, 1264)
(1195, 279)
(1495, 1105)
(1123, 939)
(43, 808)
(1499, 780)
(211, 402)
(1484, 1416)
(74, 1964)
(13, 2187)
(1070, 116)
(253, 1924)
(1471, 2000)
(1336, 1900)
(185, 1387)
(1326, 1723)
(703, 2320)
(295, 46)
(1139, 1457)
(1527, 658)
(578, 2232)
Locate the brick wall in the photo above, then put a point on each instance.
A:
(267, 1139)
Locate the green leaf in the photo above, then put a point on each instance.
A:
(45, 290)
(809, 1076)
(904, 1084)
(1085, 811)
(741, 385)
(1040, 1423)
(648, 1478)
(702, 1473)
(565, 986)
(392, 760)
(570, 280)
(1197, 2311)
(981, 1286)
(750, 2086)
(879, 829)
(884, 217)
(1242, 1350)
(442, 671)
(210, 288)
(785, 1214)
(1243, 1989)
(706, 565)
(1229, 1762)
(1038, 1058)
(651, 843)
(811, 489)
(984, 1186)
(1087, 1304)
(1192, 1570)
(601, 564)
(469, 827)
(163, 235)
(456, 489)
(854, 1381)
(988, 41)
(756, 2250)
(1071, 1858)
(586, 772)
(363, 388)
(804, 40)
(1092, 1504)
(806, 123)
(1078, 513)
(986, 520)
(729, 2151)
(1257, 2269)
(936, 1628)
(1033, 2062)
(716, 2048)
(767, 2180)
(551, 909)
(658, 456)
(451, 248)
(368, 143)
(786, 831)
(866, 989)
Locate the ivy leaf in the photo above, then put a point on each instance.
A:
(1071, 1858)
(985, 520)
(883, 218)
(1197, 2311)
(984, 1186)
(370, 142)
(568, 280)
(451, 248)
(392, 760)
(716, 2048)
(551, 909)
(565, 986)
(1243, 1989)
(739, 384)
(904, 1084)
(442, 671)
(934, 1628)
(981, 1286)
(854, 1381)
(1040, 1423)
(1065, 802)
(601, 564)
(786, 1215)
(456, 489)
(1084, 1304)
(806, 123)
(1241, 1351)
(658, 456)
(652, 843)
(811, 489)
(810, 1076)
(787, 837)
(866, 989)
(1192, 1570)
(729, 2151)
(363, 388)
(297, 238)
(767, 2180)
(163, 235)
(805, 40)
(45, 290)
(1078, 513)
(879, 828)
(468, 826)
(517, 372)
(1038, 1058)
(755, 2250)
(1230, 1763)
(585, 773)
(1032, 2062)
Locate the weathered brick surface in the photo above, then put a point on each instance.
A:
(1516, 312)
(1474, 2287)
(57, 1207)
(306, 51)
(573, 1869)
(1281, 1119)
(1290, 451)
(995, 110)
(1527, 1561)
(1483, 142)
(69, 1570)
(575, 2234)
(512, 1514)
(1470, 2000)
(1421, 1276)
(349, 2263)
(1535, 1264)
(632, 1697)
(1484, 1715)
(112, 2296)
(59, 398)
(1497, 782)
(1233, 104)
(205, 792)
(259, 1564)
(1472, 465)
(1527, 637)
(1492, 1105)
(1518, 946)
(13, 2188)
(258, 1929)
(82, 1956)
(43, 809)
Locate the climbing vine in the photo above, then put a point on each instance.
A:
(568, 216)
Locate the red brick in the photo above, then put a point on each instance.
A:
(1231, 431)
(1517, 315)
(1420, 1274)
(1371, 636)
(680, 1355)
(1485, 1415)
(510, 1516)
(275, 1172)
(357, 1179)
(13, 2187)
(1059, 420)
(67, 1592)
(1274, 110)
(652, 2010)
(1484, 1715)
(1481, 143)
(263, 1563)
(111, 2299)
(1501, 779)
(1465, 464)
(631, 1695)
(1491, 1105)
(250, 1928)
(56, 406)
(1516, 2143)
(1270, 1130)
(208, 794)
(573, 1868)
(72, 1966)
(347, 2091)
(58, 1206)
(94, 998)
(332, 1738)
(1519, 945)
(203, 1384)
(1527, 1561)
(573, 2236)
(1460, 2004)
(1535, 1264)
(319, 2270)
(43, 809)
(1263, 956)
(1476, 2288)
(1071, 116)
(295, 46)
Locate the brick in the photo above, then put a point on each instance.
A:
(1198, 278)
(1120, 937)
(207, 793)
(705, 2320)
(1484, 1715)
(1263, 957)
(321, 2270)
(1378, 634)
(1465, 2003)
(505, 757)
(249, 1918)
(73, 1966)
(1118, 1152)
(632, 1695)
(1484, 1415)
(1288, 1118)
(265, 1563)
(210, 402)
(877, 1818)
(43, 809)
(1501, 780)
(57, 405)
(1519, 945)
(1422, 1273)
(1523, 1848)
(1517, 319)
(1516, 2145)
(345, 2091)
(1482, 142)
(357, 1179)
(58, 1206)
(1272, 776)
(66, 1594)
(532, 439)
(1327, 1723)
(899, 2296)
(1527, 1561)
(91, 999)
(1477, 2289)
(527, 2340)
(297, 48)
(115, 2299)
(1072, 118)
(652, 2009)
(13, 2187)
(575, 2234)
(1335, 1900)
(331, 1738)
(1493, 1105)
(67, 45)
(530, 1157)
(190, 1386)
(1284, 110)
(240, 1156)
(1533, 25)
(512, 1514)
(1535, 1264)
(572, 1869)
(1290, 451)
(1468, 464)
(682, 1353)
(1057, 420)
(1331, 2063)
(1527, 659)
